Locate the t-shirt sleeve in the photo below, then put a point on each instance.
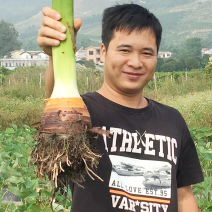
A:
(189, 170)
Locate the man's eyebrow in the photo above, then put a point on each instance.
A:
(129, 46)
(124, 45)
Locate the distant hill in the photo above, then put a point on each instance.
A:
(180, 19)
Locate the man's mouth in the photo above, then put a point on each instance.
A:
(133, 75)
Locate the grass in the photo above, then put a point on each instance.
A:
(196, 107)
(20, 112)
(23, 104)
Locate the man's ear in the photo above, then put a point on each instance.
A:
(102, 53)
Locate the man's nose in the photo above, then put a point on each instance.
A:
(135, 61)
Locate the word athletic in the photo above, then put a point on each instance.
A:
(137, 143)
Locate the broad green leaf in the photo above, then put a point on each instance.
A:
(23, 162)
(16, 163)
(208, 145)
(208, 156)
(27, 182)
(7, 171)
(57, 207)
(201, 149)
(206, 203)
(192, 128)
(5, 156)
(69, 192)
(22, 194)
(21, 208)
(47, 193)
(205, 129)
(12, 207)
(200, 135)
(59, 198)
(35, 208)
(208, 134)
(29, 172)
(47, 209)
(18, 155)
(9, 131)
(15, 180)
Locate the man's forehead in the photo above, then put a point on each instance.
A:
(127, 32)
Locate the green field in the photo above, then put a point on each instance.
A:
(22, 100)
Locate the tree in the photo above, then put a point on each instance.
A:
(168, 67)
(192, 63)
(183, 54)
(180, 66)
(8, 38)
(170, 59)
(193, 47)
(30, 44)
(160, 62)
(4, 71)
(205, 60)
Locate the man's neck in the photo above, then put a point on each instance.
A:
(136, 100)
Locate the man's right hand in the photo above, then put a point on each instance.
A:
(52, 31)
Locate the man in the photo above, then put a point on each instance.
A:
(150, 161)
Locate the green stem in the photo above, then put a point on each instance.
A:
(64, 55)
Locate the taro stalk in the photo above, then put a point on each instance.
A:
(66, 140)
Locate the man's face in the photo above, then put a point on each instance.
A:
(129, 61)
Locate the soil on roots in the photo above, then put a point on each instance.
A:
(67, 156)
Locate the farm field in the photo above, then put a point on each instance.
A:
(22, 100)
(22, 95)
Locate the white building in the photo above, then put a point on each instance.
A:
(25, 58)
(207, 51)
(80, 54)
(164, 54)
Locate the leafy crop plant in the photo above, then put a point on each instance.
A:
(66, 140)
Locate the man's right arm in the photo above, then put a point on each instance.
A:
(50, 34)
(49, 78)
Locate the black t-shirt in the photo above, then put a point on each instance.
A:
(149, 154)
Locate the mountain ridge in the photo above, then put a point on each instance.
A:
(180, 19)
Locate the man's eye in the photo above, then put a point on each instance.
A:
(147, 53)
(125, 50)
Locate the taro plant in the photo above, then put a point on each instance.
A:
(66, 139)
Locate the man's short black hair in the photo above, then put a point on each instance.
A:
(129, 17)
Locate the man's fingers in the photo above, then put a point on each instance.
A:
(53, 24)
(51, 33)
(48, 11)
(52, 30)
(44, 42)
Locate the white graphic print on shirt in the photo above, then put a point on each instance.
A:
(137, 183)
(141, 183)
